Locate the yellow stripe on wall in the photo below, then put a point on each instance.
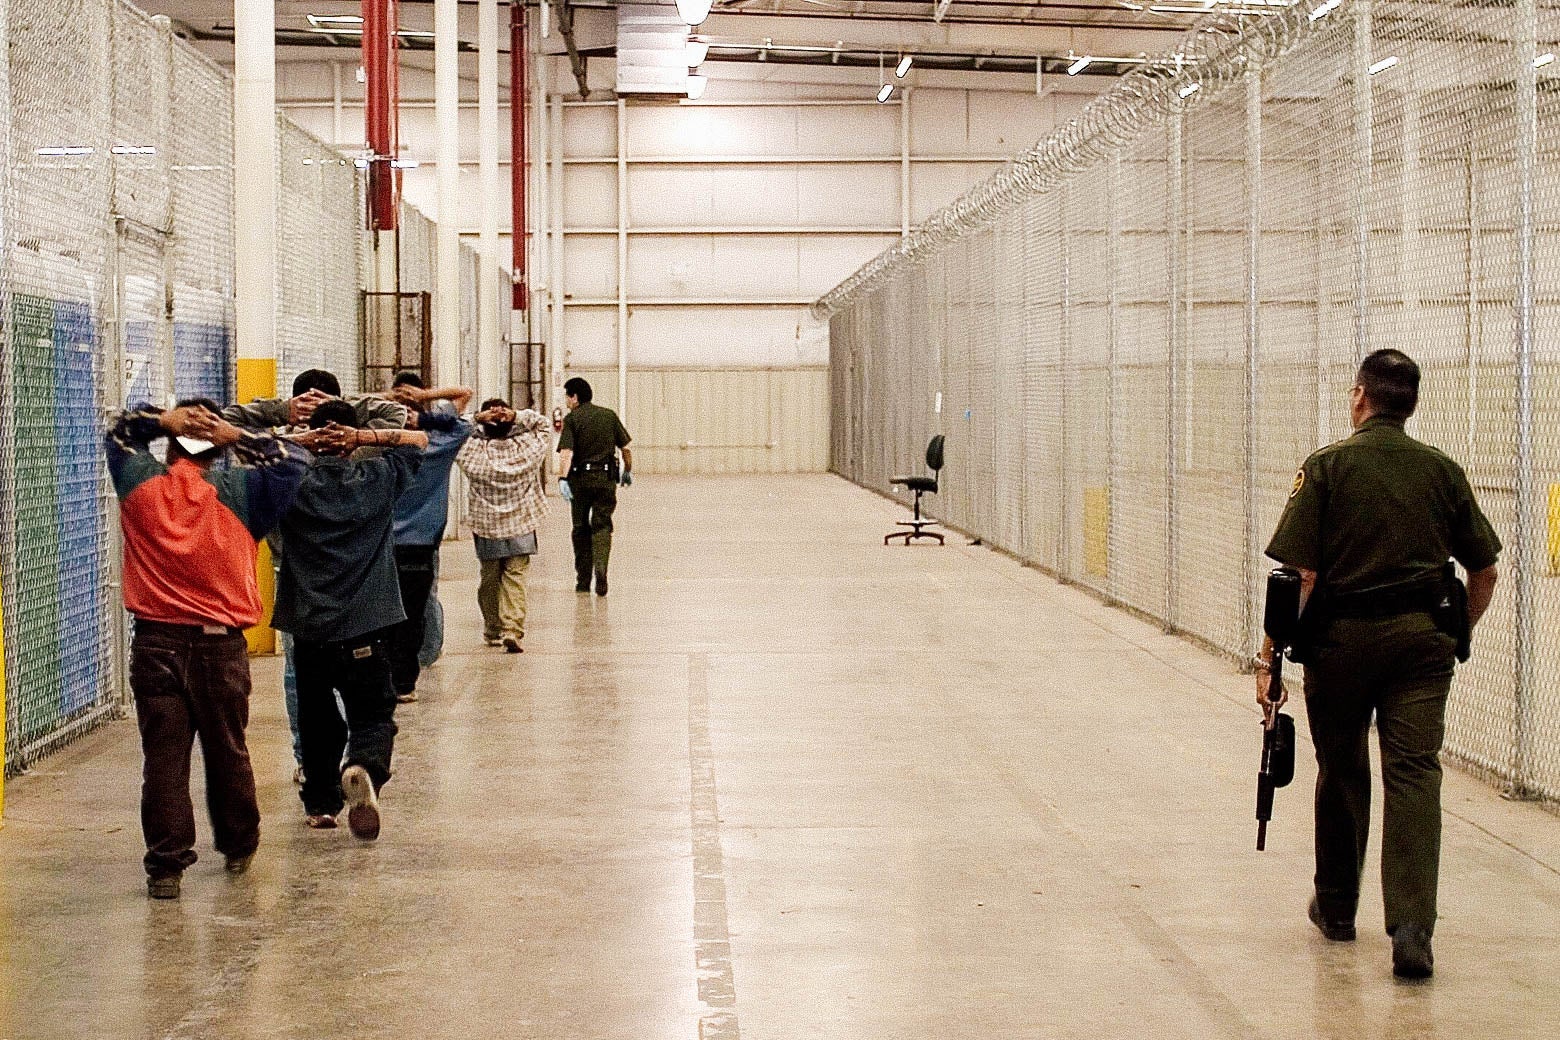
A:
(257, 379)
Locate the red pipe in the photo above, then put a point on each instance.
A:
(518, 165)
(380, 69)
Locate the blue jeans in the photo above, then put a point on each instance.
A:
(433, 623)
(290, 694)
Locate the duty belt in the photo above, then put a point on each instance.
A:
(1414, 598)
(593, 467)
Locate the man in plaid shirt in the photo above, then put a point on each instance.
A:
(507, 501)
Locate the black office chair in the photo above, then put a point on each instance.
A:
(921, 485)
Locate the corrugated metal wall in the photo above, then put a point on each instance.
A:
(723, 420)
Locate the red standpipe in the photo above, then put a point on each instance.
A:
(518, 166)
(380, 19)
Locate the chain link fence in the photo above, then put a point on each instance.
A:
(1135, 333)
(117, 287)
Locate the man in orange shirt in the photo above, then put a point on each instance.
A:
(189, 579)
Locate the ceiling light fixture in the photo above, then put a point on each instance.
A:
(696, 85)
(884, 93)
(693, 12)
(1188, 90)
(1384, 64)
(335, 19)
(1544, 59)
(698, 50)
(404, 164)
(1079, 65)
(904, 66)
(65, 150)
(1326, 9)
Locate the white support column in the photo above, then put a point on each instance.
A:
(491, 341)
(335, 105)
(446, 104)
(559, 346)
(254, 184)
(622, 258)
(1363, 159)
(1253, 337)
(904, 163)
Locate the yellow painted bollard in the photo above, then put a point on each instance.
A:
(1096, 531)
(257, 379)
(1554, 529)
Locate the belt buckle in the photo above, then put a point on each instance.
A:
(213, 630)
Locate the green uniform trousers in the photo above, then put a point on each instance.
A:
(1399, 670)
(595, 497)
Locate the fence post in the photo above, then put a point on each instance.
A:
(1253, 549)
(1174, 272)
(1363, 138)
(1528, 526)
(1112, 345)
(1064, 365)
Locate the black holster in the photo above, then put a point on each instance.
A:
(1311, 627)
(1450, 612)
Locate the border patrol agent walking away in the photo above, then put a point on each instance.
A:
(1370, 524)
(587, 458)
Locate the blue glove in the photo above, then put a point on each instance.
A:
(565, 491)
(627, 478)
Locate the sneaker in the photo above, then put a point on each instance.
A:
(406, 698)
(1411, 956)
(239, 864)
(298, 775)
(1337, 931)
(362, 803)
(601, 583)
(165, 887)
(512, 645)
(492, 641)
(321, 821)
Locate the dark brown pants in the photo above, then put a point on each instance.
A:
(188, 683)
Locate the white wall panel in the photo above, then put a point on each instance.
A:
(936, 184)
(694, 130)
(723, 420)
(667, 196)
(827, 260)
(590, 196)
(590, 133)
(717, 267)
(590, 267)
(590, 337)
(848, 196)
(710, 337)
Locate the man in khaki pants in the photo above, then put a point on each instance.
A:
(507, 502)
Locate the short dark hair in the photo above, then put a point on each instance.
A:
(1390, 379)
(493, 402)
(316, 379)
(577, 387)
(339, 412)
(407, 378)
(175, 449)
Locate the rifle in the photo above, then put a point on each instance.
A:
(1279, 621)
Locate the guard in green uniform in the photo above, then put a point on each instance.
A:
(587, 457)
(1370, 524)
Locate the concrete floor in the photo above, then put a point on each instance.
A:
(782, 783)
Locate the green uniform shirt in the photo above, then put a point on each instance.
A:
(1380, 509)
(593, 433)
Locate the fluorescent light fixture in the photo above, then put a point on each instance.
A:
(362, 74)
(1325, 9)
(335, 19)
(134, 149)
(693, 12)
(1129, 5)
(307, 161)
(1544, 59)
(698, 50)
(404, 164)
(360, 163)
(1079, 65)
(1188, 90)
(696, 85)
(1384, 64)
(903, 69)
(65, 149)
(408, 34)
(885, 92)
